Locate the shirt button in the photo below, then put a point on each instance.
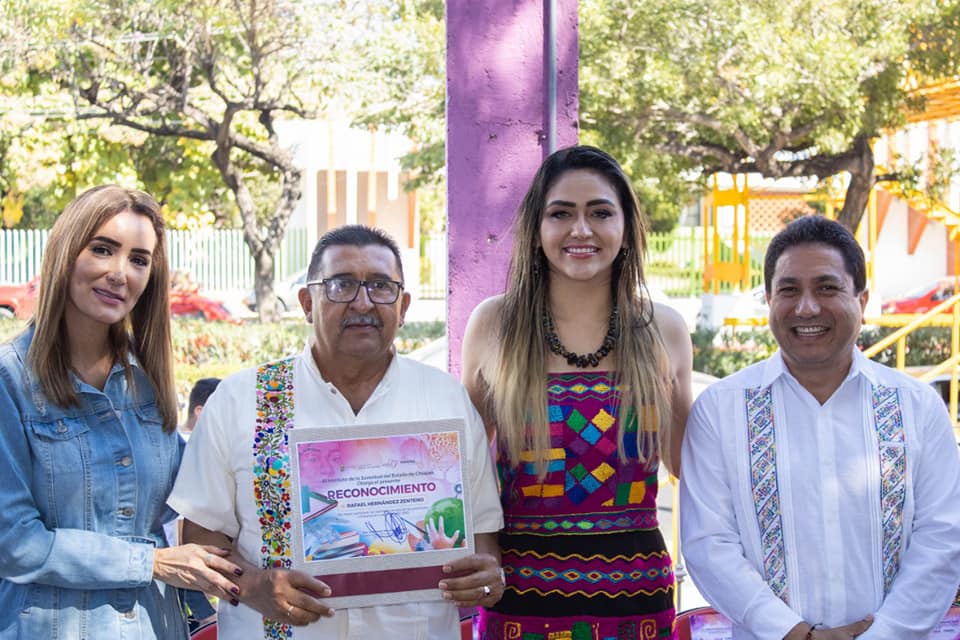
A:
(125, 461)
(61, 428)
(130, 615)
(126, 511)
(333, 391)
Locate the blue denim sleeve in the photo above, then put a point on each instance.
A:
(169, 513)
(29, 551)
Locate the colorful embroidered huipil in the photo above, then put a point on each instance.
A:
(581, 551)
(271, 487)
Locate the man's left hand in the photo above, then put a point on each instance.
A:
(481, 584)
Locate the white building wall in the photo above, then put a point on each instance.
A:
(897, 271)
(316, 145)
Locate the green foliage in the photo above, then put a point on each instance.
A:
(404, 80)
(723, 352)
(782, 87)
(925, 347)
(180, 99)
(217, 349)
(402, 88)
(720, 353)
(204, 349)
(678, 90)
(413, 335)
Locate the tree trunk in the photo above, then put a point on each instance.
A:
(261, 251)
(276, 230)
(263, 271)
(862, 181)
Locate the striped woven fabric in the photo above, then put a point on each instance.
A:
(581, 551)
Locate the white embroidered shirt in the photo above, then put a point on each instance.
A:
(860, 514)
(214, 487)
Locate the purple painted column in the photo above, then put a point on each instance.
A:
(498, 131)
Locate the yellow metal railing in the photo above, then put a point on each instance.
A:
(922, 320)
(945, 314)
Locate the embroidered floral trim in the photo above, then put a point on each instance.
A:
(888, 420)
(271, 481)
(766, 496)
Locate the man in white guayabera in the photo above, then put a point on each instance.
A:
(820, 494)
(233, 485)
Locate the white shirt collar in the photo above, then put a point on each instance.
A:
(314, 370)
(775, 367)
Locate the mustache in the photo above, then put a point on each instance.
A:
(361, 320)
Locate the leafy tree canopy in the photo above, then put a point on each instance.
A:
(779, 87)
(205, 79)
(680, 89)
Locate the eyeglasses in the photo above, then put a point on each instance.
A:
(341, 289)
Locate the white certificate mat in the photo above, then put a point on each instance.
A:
(710, 625)
(377, 509)
(949, 627)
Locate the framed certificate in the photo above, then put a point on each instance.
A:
(949, 627)
(377, 509)
(710, 626)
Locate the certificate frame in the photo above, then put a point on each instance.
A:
(357, 493)
(949, 627)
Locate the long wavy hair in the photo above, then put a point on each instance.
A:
(518, 391)
(145, 332)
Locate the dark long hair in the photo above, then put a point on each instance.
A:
(517, 392)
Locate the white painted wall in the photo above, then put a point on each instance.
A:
(898, 272)
(318, 144)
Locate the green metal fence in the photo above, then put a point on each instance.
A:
(216, 259)
(433, 266)
(674, 262)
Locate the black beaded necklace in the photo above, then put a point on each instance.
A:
(575, 359)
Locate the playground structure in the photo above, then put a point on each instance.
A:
(506, 113)
(930, 244)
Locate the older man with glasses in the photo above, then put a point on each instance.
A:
(349, 374)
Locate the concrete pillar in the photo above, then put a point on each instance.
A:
(499, 129)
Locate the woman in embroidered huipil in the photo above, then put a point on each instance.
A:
(89, 448)
(585, 383)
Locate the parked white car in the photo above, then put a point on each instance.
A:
(286, 291)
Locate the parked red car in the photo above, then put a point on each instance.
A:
(921, 299)
(19, 300)
(191, 304)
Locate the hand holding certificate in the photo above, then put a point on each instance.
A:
(380, 509)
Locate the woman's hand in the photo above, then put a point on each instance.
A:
(200, 567)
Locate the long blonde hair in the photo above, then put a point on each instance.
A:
(146, 331)
(518, 391)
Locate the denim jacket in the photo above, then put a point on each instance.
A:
(82, 504)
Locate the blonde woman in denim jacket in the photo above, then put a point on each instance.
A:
(88, 444)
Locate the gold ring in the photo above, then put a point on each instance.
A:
(289, 610)
(486, 591)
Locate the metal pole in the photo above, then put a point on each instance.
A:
(550, 9)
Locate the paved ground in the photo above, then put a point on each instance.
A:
(435, 354)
